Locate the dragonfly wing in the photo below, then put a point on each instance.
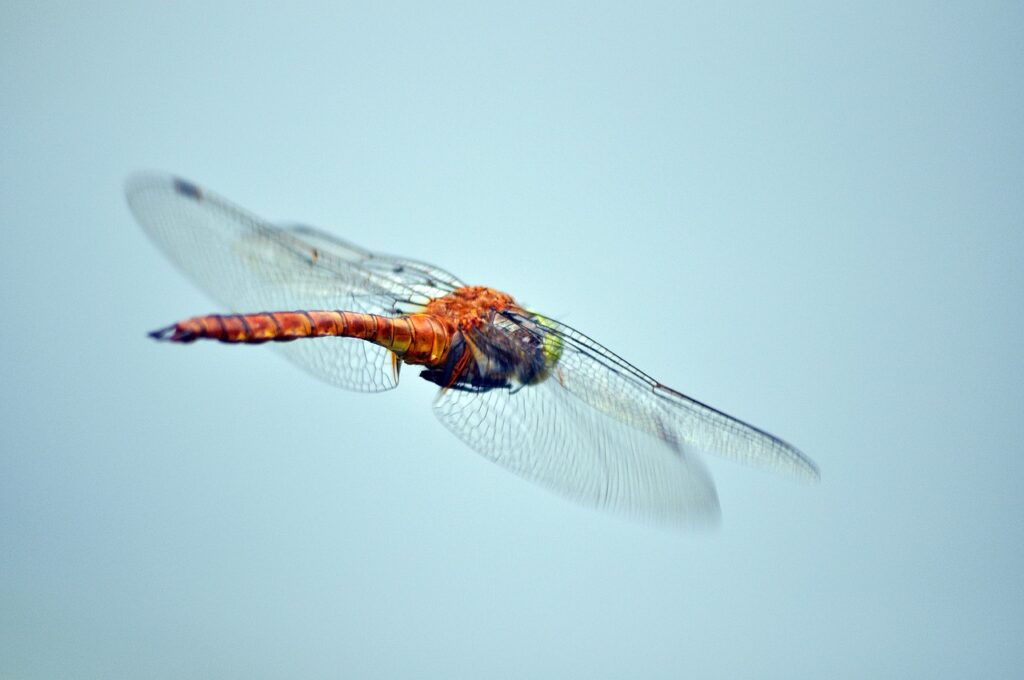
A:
(424, 280)
(249, 265)
(609, 384)
(344, 362)
(545, 434)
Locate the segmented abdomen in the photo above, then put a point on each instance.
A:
(416, 338)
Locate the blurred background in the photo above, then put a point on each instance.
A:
(809, 217)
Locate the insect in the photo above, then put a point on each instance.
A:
(520, 388)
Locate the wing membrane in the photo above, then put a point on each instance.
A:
(249, 265)
(602, 379)
(547, 435)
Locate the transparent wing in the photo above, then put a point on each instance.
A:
(423, 281)
(249, 265)
(602, 432)
(545, 434)
(607, 383)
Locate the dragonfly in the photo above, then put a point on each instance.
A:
(520, 388)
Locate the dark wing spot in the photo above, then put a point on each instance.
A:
(188, 189)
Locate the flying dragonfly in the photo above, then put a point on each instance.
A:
(522, 389)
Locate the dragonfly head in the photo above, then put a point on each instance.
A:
(552, 346)
(538, 331)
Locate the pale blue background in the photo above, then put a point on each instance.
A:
(809, 217)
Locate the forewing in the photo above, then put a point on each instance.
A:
(544, 433)
(249, 265)
(606, 382)
(421, 281)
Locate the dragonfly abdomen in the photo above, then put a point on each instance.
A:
(416, 338)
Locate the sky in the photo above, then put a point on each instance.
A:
(808, 216)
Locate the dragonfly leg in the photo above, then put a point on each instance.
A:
(396, 366)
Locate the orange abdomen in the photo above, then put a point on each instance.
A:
(415, 338)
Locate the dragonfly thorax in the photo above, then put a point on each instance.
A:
(470, 306)
(496, 343)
